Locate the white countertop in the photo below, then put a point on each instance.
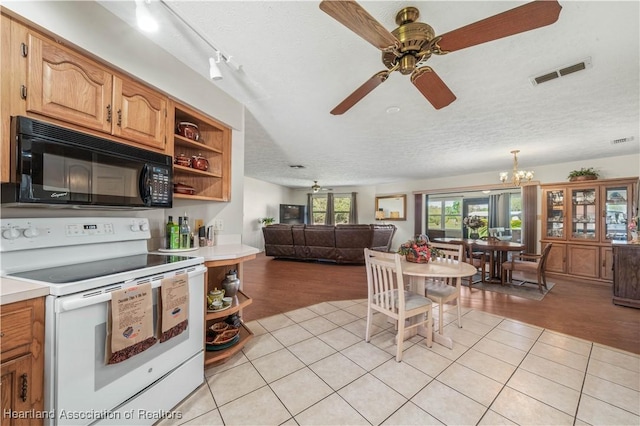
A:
(15, 290)
(224, 252)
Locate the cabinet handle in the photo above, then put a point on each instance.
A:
(24, 50)
(23, 91)
(119, 118)
(25, 387)
(109, 113)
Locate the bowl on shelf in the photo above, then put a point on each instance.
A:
(200, 163)
(181, 188)
(188, 130)
(182, 160)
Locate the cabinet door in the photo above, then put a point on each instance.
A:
(616, 210)
(16, 389)
(584, 214)
(66, 86)
(606, 257)
(583, 260)
(140, 113)
(554, 211)
(556, 260)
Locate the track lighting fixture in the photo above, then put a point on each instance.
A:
(144, 18)
(214, 71)
(219, 56)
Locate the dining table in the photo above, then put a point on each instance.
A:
(498, 251)
(436, 268)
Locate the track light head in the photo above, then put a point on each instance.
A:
(214, 71)
(145, 20)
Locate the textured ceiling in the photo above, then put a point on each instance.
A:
(298, 63)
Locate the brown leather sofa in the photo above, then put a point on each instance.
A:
(339, 243)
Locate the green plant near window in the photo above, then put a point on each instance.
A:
(589, 173)
(266, 220)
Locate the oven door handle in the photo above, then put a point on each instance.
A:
(70, 305)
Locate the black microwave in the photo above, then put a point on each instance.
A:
(56, 166)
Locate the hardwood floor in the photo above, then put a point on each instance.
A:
(571, 307)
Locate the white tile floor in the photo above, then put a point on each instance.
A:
(312, 367)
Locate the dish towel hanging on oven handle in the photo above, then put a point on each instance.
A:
(129, 323)
(173, 306)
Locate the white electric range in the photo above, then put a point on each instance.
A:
(83, 260)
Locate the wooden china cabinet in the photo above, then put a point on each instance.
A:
(581, 219)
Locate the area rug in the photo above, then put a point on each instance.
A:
(527, 290)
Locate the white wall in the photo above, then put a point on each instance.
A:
(115, 42)
(261, 199)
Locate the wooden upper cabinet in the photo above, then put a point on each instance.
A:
(67, 86)
(140, 113)
(70, 87)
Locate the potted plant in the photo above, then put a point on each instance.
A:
(583, 174)
(266, 221)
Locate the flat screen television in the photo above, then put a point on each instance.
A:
(293, 214)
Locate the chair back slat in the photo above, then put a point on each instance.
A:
(450, 251)
(542, 263)
(384, 277)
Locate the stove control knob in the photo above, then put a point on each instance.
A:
(135, 227)
(144, 226)
(31, 232)
(11, 234)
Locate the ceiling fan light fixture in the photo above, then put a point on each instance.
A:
(315, 187)
(518, 177)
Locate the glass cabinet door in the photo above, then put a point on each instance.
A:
(584, 213)
(555, 214)
(615, 200)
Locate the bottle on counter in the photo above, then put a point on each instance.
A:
(185, 233)
(173, 234)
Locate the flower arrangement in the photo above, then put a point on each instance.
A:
(473, 222)
(418, 250)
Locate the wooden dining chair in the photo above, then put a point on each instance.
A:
(387, 295)
(477, 259)
(444, 290)
(527, 262)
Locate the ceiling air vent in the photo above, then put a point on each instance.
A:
(561, 72)
(623, 140)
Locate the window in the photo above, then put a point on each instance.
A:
(444, 214)
(319, 209)
(342, 206)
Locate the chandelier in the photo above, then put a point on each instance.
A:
(315, 187)
(519, 176)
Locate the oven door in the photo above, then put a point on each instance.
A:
(79, 386)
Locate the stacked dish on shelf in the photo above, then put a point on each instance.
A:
(221, 336)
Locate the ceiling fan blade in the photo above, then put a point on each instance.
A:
(353, 16)
(523, 18)
(360, 93)
(432, 87)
